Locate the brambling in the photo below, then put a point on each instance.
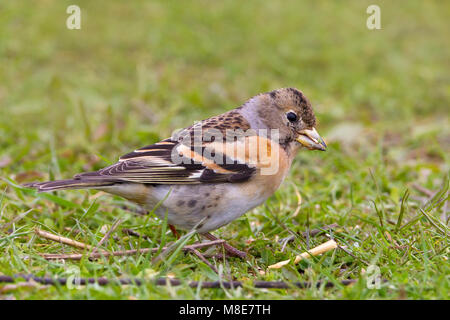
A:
(211, 173)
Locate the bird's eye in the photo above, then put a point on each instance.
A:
(291, 116)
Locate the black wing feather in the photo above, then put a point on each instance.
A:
(153, 164)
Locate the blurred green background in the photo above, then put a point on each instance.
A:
(159, 65)
(75, 100)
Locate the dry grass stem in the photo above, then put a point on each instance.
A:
(107, 235)
(97, 255)
(324, 247)
(60, 239)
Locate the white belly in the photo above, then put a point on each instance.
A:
(214, 205)
(187, 205)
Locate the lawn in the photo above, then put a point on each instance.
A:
(75, 100)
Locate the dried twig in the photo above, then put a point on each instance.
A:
(201, 257)
(315, 232)
(133, 233)
(424, 190)
(324, 247)
(60, 239)
(176, 282)
(16, 219)
(107, 235)
(97, 255)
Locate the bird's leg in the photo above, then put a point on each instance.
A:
(174, 231)
(230, 249)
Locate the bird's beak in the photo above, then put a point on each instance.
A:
(311, 140)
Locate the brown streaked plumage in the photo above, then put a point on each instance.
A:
(209, 172)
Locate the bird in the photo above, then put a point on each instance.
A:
(208, 174)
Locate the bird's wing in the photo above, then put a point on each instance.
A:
(171, 162)
(185, 159)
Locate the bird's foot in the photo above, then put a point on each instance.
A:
(174, 231)
(232, 251)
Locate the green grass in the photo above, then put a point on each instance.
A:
(73, 101)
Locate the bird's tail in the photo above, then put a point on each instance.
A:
(69, 184)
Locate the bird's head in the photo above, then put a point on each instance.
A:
(289, 111)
